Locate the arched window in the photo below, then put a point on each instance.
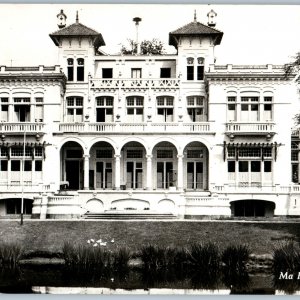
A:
(80, 69)
(70, 69)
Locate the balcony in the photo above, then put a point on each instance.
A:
(145, 127)
(135, 84)
(21, 127)
(250, 128)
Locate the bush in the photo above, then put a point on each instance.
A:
(10, 255)
(235, 258)
(286, 258)
(121, 258)
(204, 257)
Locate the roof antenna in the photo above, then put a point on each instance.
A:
(195, 16)
(77, 19)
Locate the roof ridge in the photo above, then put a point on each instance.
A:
(198, 23)
(62, 30)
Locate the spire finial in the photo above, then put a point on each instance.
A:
(77, 19)
(195, 16)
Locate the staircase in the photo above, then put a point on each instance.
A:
(128, 215)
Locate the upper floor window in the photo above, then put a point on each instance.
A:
(200, 68)
(165, 73)
(107, 73)
(136, 73)
(74, 109)
(4, 109)
(135, 108)
(196, 108)
(80, 69)
(104, 109)
(70, 69)
(191, 63)
(268, 108)
(231, 108)
(22, 109)
(165, 108)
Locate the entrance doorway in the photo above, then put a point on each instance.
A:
(73, 174)
(195, 175)
(165, 175)
(134, 171)
(103, 175)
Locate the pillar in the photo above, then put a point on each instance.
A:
(149, 172)
(117, 171)
(180, 172)
(86, 172)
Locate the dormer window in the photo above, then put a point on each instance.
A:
(70, 69)
(80, 69)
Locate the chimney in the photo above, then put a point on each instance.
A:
(137, 20)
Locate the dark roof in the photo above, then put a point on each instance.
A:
(77, 29)
(195, 29)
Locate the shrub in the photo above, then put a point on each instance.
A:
(204, 257)
(121, 258)
(10, 255)
(235, 258)
(286, 257)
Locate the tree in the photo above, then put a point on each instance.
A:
(292, 67)
(148, 47)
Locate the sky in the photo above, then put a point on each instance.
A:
(253, 34)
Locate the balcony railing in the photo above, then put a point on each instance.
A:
(165, 83)
(145, 127)
(250, 128)
(21, 127)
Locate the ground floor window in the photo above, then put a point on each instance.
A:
(13, 206)
(252, 208)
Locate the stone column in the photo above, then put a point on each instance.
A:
(149, 172)
(117, 171)
(180, 172)
(86, 172)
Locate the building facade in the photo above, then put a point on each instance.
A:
(146, 134)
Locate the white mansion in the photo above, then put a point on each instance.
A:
(148, 135)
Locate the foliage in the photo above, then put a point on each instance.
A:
(10, 255)
(204, 256)
(87, 257)
(296, 119)
(286, 257)
(235, 258)
(292, 67)
(148, 47)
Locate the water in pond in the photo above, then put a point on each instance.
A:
(58, 280)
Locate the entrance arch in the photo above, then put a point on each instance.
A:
(252, 208)
(195, 170)
(133, 155)
(71, 154)
(101, 166)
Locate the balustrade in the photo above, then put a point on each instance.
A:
(22, 127)
(250, 127)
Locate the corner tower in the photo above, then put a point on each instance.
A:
(195, 44)
(77, 46)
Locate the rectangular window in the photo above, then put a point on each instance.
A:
(104, 153)
(28, 165)
(70, 73)
(107, 73)
(190, 73)
(3, 165)
(38, 165)
(164, 153)
(255, 166)
(134, 153)
(267, 166)
(136, 73)
(243, 166)
(231, 166)
(15, 165)
(200, 72)
(165, 73)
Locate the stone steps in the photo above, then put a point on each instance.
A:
(128, 216)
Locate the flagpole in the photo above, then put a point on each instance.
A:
(22, 175)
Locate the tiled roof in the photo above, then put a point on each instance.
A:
(77, 29)
(195, 29)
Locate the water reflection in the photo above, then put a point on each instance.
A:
(59, 280)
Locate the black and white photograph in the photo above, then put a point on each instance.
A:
(149, 149)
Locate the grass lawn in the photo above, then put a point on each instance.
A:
(50, 235)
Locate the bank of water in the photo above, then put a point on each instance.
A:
(56, 279)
